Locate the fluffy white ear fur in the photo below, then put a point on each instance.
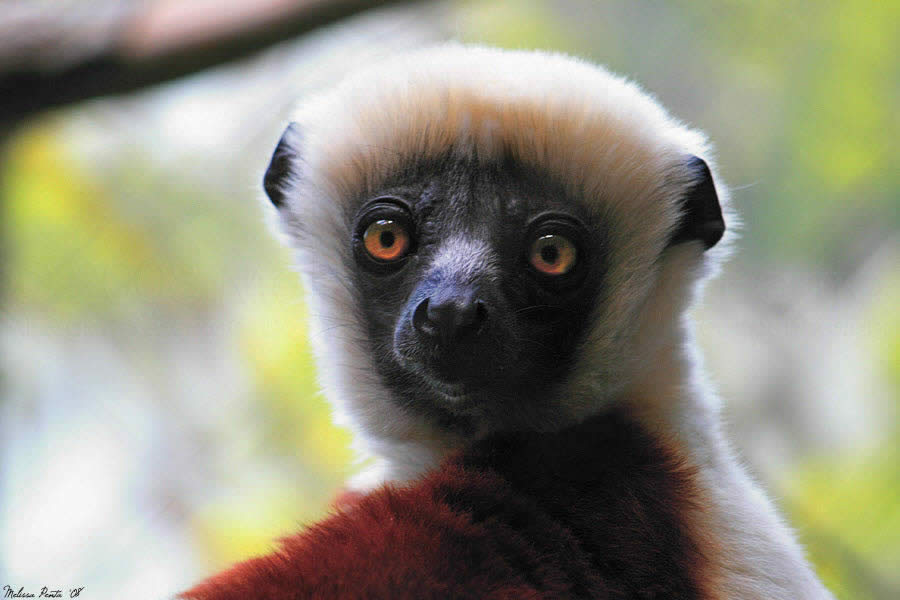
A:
(617, 149)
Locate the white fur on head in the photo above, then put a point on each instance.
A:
(610, 144)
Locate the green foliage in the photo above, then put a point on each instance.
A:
(513, 24)
(91, 249)
(882, 327)
(851, 511)
(72, 253)
(847, 507)
(250, 524)
(310, 455)
(273, 340)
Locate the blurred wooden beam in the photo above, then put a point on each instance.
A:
(57, 52)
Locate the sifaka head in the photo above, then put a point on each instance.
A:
(490, 240)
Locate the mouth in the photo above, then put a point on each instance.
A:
(457, 394)
(451, 388)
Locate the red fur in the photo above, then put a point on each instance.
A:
(597, 511)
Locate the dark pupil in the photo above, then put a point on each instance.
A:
(549, 254)
(386, 239)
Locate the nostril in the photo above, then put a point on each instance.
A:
(420, 319)
(472, 317)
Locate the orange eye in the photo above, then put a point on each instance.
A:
(553, 255)
(386, 240)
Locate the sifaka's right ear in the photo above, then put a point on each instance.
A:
(280, 168)
(701, 218)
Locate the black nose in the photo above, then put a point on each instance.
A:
(449, 318)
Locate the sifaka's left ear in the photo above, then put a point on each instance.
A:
(701, 218)
(280, 168)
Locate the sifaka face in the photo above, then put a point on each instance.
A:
(475, 283)
(484, 253)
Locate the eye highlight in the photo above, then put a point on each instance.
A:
(386, 240)
(553, 254)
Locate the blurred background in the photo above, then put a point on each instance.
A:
(159, 416)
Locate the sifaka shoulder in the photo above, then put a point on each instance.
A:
(499, 249)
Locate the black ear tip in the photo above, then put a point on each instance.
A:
(711, 234)
(702, 215)
(280, 167)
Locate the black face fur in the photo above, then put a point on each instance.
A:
(463, 328)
